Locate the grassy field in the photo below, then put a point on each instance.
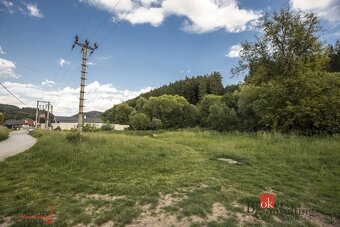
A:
(4, 132)
(173, 178)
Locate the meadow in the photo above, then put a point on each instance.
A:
(177, 178)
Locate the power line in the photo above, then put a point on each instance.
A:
(90, 17)
(81, 31)
(117, 24)
(98, 28)
(69, 68)
(13, 95)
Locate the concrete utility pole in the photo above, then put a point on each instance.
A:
(48, 115)
(84, 47)
(37, 115)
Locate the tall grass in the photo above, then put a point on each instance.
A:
(141, 167)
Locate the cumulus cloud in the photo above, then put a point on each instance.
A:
(326, 9)
(200, 16)
(7, 68)
(48, 83)
(98, 96)
(234, 51)
(33, 10)
(2, 52)
(63, 62)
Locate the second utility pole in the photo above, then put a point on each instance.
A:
(84, 47)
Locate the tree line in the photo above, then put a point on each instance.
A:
(291, 85)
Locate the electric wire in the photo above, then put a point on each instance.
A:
(13, 94)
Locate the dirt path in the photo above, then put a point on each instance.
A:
(18, 142)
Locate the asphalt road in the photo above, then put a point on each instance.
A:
(17, 142)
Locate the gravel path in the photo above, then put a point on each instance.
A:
(18, 142)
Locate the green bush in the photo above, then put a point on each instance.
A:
(139, 121)
(4, 132)
(156, 124)
(74, 137)
(89, 127)
(222, 118)
(106, 127)
(173, 111)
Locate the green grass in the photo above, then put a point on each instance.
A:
(4, 133)
(140, 168)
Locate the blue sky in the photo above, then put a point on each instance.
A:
(143, 44)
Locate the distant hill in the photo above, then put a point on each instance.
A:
(91, 114)
(14, 112)
(192, 89)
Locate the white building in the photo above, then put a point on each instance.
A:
(68, 123)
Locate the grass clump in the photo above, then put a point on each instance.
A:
(4, 133)
(74, 137)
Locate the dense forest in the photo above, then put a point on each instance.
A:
(14, 112)
(291, 84)
(192, 89)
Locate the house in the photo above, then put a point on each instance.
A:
(17, 124)
(14, 124)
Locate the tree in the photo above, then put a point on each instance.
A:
(205, 105)
(156, 124)
(311, 106)
(192, 89)
(334, 55)
(140, 103)
(222, 118)
(173, 111)
(2, 118)
(118, 114)
(289, 45)
(139, 121)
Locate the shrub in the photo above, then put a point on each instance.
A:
(156, 124)
(139, 121)
(106, 127)
(74, 137)
(222, 118)
(89, 127)
(4, 132)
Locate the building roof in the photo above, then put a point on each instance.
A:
(14, 122)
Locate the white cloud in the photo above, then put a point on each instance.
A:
(7, 68)
(154, 16)
(326, 9)
(91, 63)
(63, 62)
(33, 10)
(2, 51)
(7, 4)
(48, 83)
(234, 51)
(199, 15)
(98, 96)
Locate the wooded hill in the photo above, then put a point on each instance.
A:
(192, 89)
(14, 112)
